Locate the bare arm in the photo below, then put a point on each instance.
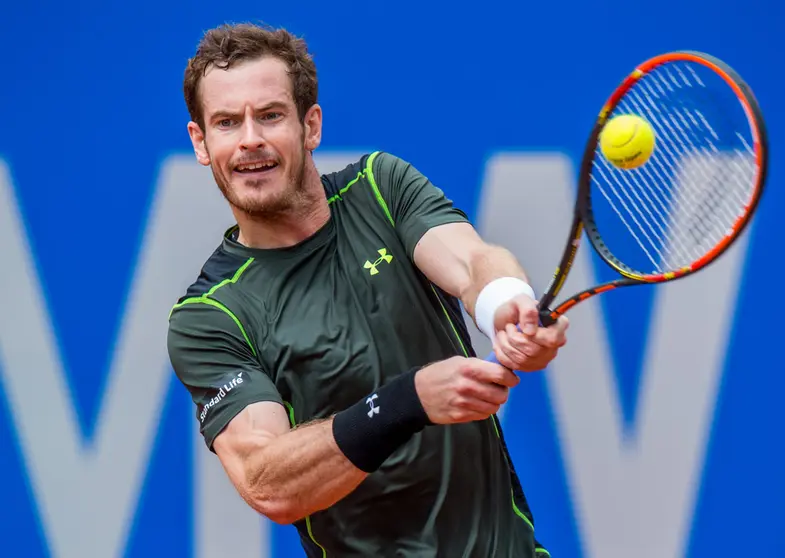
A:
(454, 257)
(284, 474)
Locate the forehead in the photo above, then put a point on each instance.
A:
(254, 82)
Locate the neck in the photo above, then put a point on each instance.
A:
(310, 213)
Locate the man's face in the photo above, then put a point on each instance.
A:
(253, 139)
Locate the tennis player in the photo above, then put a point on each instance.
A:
(323, 343)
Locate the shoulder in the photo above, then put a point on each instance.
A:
(377, 167)
(203, 310)
(220, 268)
(392, 174)
(203, 330)
(336, 182)
(384, 161)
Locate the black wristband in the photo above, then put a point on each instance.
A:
(369, 431)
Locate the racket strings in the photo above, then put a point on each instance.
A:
(687, 197)
(632, 214)
(686, 124)
(670, 159)
(682, 115)
(667, 163)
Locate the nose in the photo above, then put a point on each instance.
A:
(252, 138)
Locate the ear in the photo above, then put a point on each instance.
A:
(313, 128)
(197, 140)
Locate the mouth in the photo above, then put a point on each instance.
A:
(255, 168)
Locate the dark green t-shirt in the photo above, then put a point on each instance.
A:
(321, 325)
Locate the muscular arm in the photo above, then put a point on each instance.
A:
(284, 474)
(454, 257)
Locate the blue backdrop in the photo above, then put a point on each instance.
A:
(92, 107)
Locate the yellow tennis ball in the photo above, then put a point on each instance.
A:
(627, 141)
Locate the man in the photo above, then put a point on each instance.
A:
(323, 343)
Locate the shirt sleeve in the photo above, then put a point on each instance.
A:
(413, 203)
(218, 366)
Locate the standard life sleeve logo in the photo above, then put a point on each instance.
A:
(233, 383)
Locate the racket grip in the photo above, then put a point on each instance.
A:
(545, 318)
(492, 358)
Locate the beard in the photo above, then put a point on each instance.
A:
(256, 204)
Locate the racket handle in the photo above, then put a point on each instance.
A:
(545, 318)
(492, 358)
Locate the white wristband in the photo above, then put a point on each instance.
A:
(493, 295)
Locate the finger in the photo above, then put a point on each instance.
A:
(524, 344)
(510, 351)
(492, 373)
(492, 393)
(515, 336)
(465, 415)
(527, 346)
(551, 337)
(473, 405)
(528, 316)
(501, 356)
(503, 359)
(563, 324)
(505, 314)
(544, 360)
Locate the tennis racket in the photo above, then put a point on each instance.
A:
(690, 201)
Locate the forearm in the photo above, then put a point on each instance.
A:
(313, 466)
(485, 265)
(299, 473)
(454, 257)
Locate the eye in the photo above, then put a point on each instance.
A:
(271, 116)
(225, 123)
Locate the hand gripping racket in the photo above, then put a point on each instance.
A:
(690, 200)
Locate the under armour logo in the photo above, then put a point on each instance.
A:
(374, 410)
(383, 257)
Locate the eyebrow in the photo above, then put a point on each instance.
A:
(221, 114)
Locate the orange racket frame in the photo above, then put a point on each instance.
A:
(583, 218)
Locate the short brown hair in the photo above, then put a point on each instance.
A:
(230, 44)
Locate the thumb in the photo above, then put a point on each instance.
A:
(520, 312)
(506, 314)
(528, 316)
